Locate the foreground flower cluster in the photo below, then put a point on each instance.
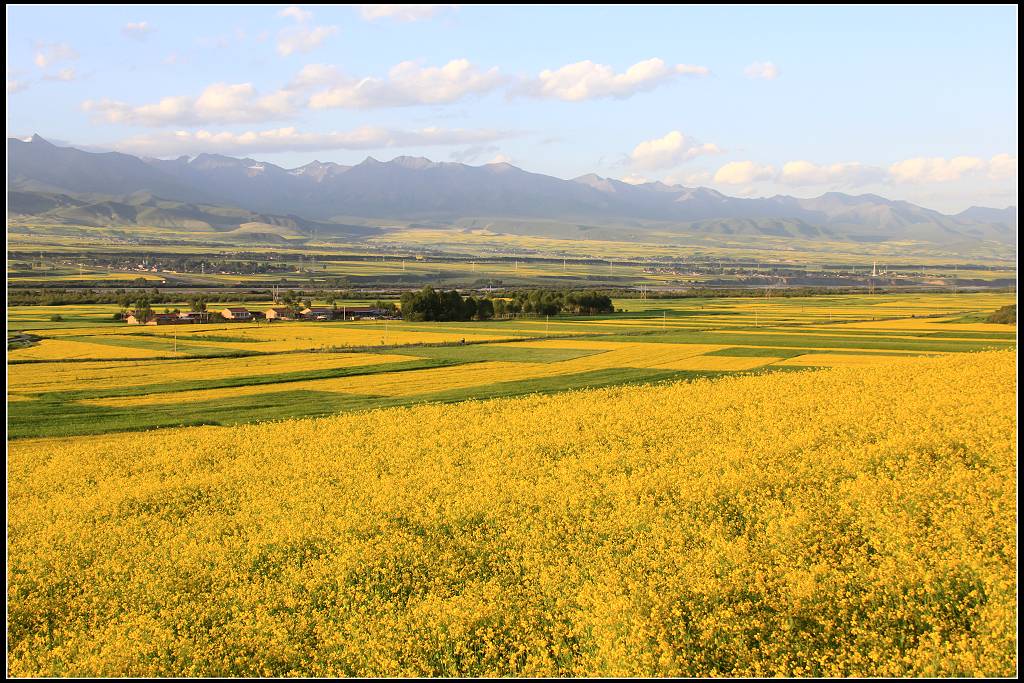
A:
(855, 521)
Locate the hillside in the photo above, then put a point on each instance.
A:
(414, 189)
(145, 209)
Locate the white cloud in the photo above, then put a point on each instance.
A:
(139, 30)
(586, 80)
(670, 150)
(65, 75)
(935, 169)
(218, 103)
(472, 153)
(303, 37)
(48, 54)
(313, 75)
(743, 173)
(688, 179)
(763, 70)
(14, 85)
(292, 140)
(1002, 166)
(797, 173)
(501, 159)
(297, 13)
(404, 13)
(407, 83)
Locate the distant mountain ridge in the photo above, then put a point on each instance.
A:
(418, 189)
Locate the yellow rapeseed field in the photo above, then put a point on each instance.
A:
(99, 375)
(68, 349)
(844, 522)
(843, 360)
(431, 380)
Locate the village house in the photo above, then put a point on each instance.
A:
(194, 317)
(318, 313)
(236, 313)
(279, 313)
(358, 312)
(154, 319)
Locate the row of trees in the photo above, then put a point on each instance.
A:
(124, 298)
(430, 304)
(553, 302)
(1007, 315)
(54, 296)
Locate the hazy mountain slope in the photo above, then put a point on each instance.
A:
(420, 190)
(142, 209)
(38, 165)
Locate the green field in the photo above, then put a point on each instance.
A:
(87, 374)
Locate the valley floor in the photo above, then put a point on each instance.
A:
(90, 375)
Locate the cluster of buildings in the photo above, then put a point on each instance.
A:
(243, 314)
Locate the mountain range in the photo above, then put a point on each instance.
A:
(68, 185)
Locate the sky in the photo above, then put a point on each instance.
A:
(913, 103)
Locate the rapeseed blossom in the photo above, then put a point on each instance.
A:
(854, 521)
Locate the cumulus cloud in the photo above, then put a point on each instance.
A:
(1002, 167)
(586, 80)
(407, 83)
(15, 85)
(303, 37)
(48, 54)
(763, 70)
(297, 13)
(670, 150)
(292, 140)
(313, 75)
(743, 173)
(798, 173)
(689, 179)
(138, 30)
(934, 169)
(218, 103)
(65, 75)
(472, 153)
(403, 13)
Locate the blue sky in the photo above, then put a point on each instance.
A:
(916, 103)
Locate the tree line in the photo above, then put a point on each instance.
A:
(431, 304)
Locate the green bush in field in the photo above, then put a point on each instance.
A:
(1006, 315)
